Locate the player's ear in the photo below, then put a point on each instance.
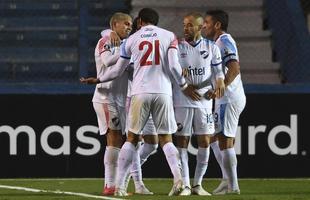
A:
(114, 24)
(218, 25)
(139, 22)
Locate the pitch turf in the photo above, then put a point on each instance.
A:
(251, 189)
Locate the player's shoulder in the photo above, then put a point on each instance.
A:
(225, 39)
(207, 41)
(165, 33)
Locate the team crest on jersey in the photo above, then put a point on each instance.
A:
(107, 47)
(115, 121)
(204, 54)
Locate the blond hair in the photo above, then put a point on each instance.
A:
(118, 16)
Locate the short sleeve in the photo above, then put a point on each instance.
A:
(174, 42)
(104, 44)
(125, 50)
(228, 50)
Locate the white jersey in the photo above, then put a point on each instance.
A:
(229, 51)
(113, 91)
(148, 48)
(198, 59)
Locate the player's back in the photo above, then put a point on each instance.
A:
(149, 49)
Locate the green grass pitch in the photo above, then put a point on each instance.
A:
(251, 189)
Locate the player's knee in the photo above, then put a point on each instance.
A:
(182, 141)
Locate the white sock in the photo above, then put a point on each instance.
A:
(185, 169)
(230, 165)
(125, 158)
(146, 150)
(110, 165)
(201, 164)
(136, 172)
(218, 156)
(173, 158)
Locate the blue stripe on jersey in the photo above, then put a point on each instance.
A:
(194, 45)
(216, 64)
(222, 116)
(230, 58)
(125, 57)
(231, 54)
(123, 52)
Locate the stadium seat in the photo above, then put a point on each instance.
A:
(40, 40)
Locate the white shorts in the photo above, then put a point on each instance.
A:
(198, 121)
(226, 117)
(110, 115)
(159, 106)
(148, 129)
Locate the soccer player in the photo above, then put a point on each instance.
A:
(229, 107)
(108, 101)
(154, 52)
(150, 139)
(199, 57)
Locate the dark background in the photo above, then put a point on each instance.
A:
(41, 111)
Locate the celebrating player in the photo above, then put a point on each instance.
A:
(229, 107)
(108, 100)
(154, 52)
(199, 58)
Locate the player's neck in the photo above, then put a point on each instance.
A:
(196, 38)
(218, 34)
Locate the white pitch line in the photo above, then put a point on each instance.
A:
(58, 192)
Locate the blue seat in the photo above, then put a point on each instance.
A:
(38, 54)
(40, 71)
(39, 40)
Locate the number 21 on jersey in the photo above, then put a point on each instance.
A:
(145, 60)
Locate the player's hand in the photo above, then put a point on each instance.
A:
(210, 95)
(219, 88)
(185, 72)
(192, 93)
(115, 40)
(90, 80)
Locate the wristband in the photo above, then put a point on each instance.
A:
(184, 86)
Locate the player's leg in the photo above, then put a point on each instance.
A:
(135, 172)
(164, 120)
(184, 119)
(148, 147)
(138, 115)
(230, 118)
(223, 186)
(150, 139)
(114, 142)
(229, 160)
(203, 129)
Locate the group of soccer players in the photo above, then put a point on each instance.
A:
(154, 85)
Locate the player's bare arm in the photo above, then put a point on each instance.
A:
(233, 71)
(90, 80)
(115, 39)
(219, 87)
